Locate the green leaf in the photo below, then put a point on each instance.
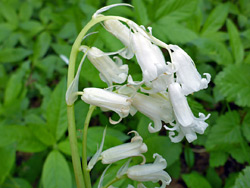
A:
(16, 183)
(158, 144)
(142, 127)
(140, 12)
(195, 180)
(176, 9)
(216, 19)
(42, 44)
(9, 13)
(25, 11)
(10, 55)
(215, 50)
(175, 32)
(189, 157)
(225, 132)
(8, 155)
(246, 127)
(57, 111)
(22, 135)
(217, 158)
(233, 83)
(56, 173)
(235, 42)
(213, 178)
(243, 179)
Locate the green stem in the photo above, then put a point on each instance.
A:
(84, 147)
(73, 145)
(116, 179)
(70, 108)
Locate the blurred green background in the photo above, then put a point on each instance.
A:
(34, 146)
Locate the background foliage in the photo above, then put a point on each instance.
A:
(34, 146)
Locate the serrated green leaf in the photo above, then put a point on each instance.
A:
(10, 55)
(246, 126)
(243, 179)
(42, 45)
(226, 131)
(173, 31)
(215, 50)
(240, 152)
(233, 83)
(235, 42)
(158, 144)
(140, 12)
(176, 9)
(56, 173)
(217, 158)
(216, 19)
(8, 155)
(57, 111)
(195, 180)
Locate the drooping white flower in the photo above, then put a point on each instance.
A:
(186, 72)
(135, 148)
(107, 100)
(156, 106)
(123, 33)
(186, 123)
(110, 71)
(149, 57)
(151, 172)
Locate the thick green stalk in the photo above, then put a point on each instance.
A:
(71, 116)
(73, 145)
(84, 147)
(116, 179)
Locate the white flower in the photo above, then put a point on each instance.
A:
(186, 72)
(149, 57)
(107, 100)
(135, 148)
(151, 172)
(123, 33)
(157, 107)
(186, 123)
(110, 71)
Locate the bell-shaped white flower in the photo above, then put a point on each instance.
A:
(186, 72)
(188, 132)
(149, 57)
(151, 172)
(156, 106)
(110, 71)
(135, 148)
(186, 123)
(123, 33)
(107, 100)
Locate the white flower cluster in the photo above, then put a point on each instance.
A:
(160, 95)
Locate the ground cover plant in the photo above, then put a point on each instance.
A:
(36, 38)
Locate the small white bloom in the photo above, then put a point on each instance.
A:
(186, 123)
(157, 107)
(151, 172)
(123, 33)
(135, 148)
(186, 72)
(149, 57)
(107, 100)
(110, 71)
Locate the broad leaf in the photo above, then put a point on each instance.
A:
(8, 155)
(16, 183)
(56, 172)
(140, 12)
(235, 42)
(216, 19)
(195, 180)
(243, 179)
(233, 83)
(246, 126)
(57, 111)
(10, 55)
(217, 158)
(42, 44)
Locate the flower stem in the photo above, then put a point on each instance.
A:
(86, 175)
(116, 179)
(73, 145)
(70, 108)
